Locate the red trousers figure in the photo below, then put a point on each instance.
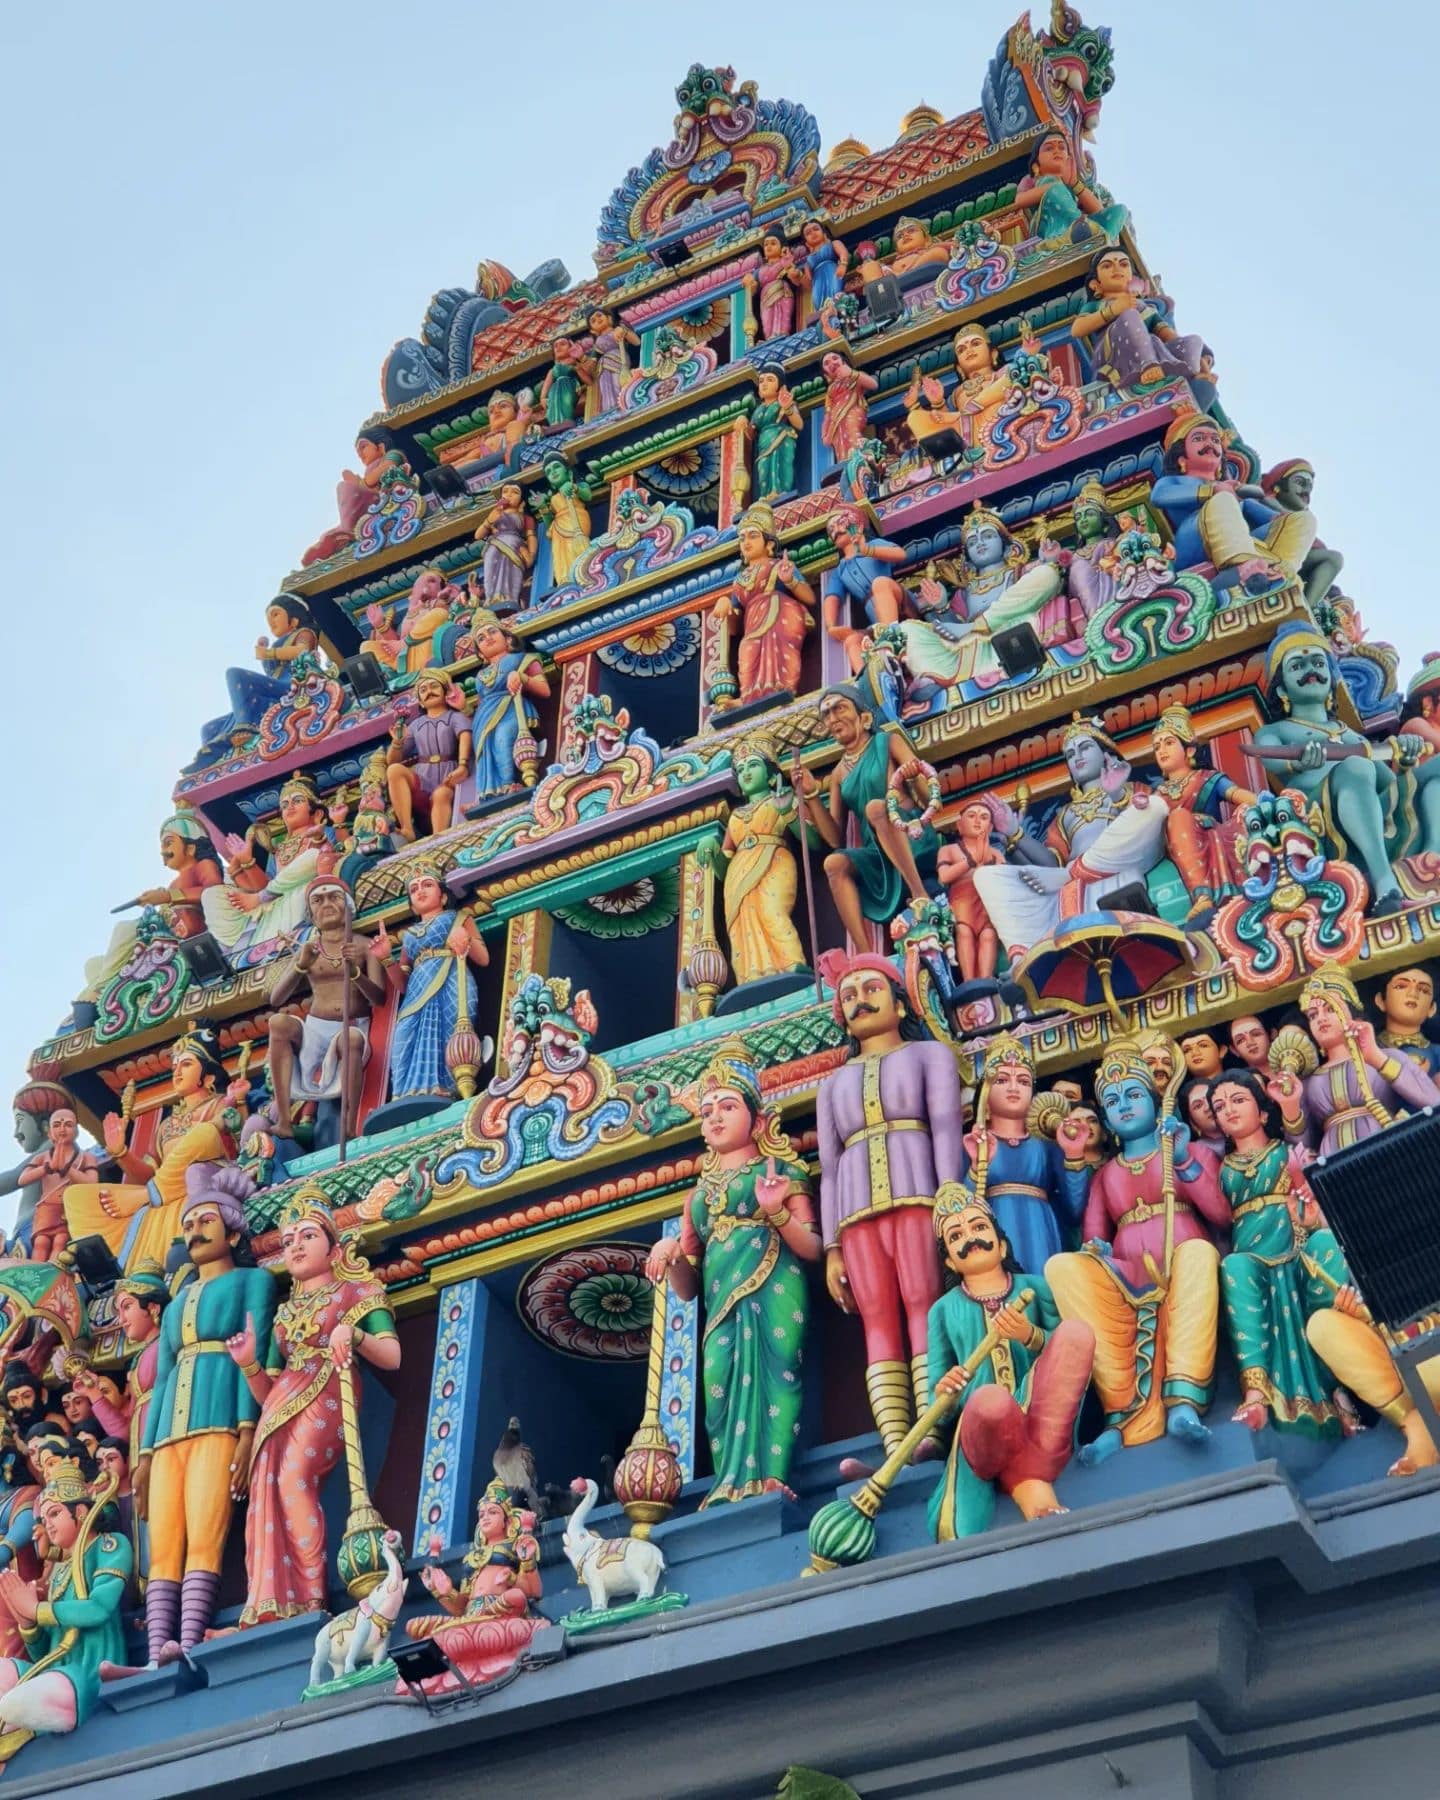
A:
(894, 1274)
(1004, 1443)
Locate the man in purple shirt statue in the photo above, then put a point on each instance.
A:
(428, 758)
(891, 1131)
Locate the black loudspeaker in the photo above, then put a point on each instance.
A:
(1019, 650)
(95, 1264)
(672, 255)
(1133, 897)
(1379, 1199)
(443, 482)
(882, 299)
(205, 958)
(365, 676)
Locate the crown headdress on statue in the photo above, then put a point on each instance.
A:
(1081, 727)
(66, 1483)
(145, 1282)
(1006, 1048)
(1330, 982)
(732, 1067)
(419, 867)
(951, 1199)
(301, 787)
(1177, 721)
(1122, 1061)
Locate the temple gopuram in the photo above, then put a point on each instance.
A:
(771, 1128)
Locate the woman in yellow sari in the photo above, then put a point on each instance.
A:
(141, 1219)
(759, 869)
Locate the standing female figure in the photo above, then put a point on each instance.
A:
(435, 958)
(747, 1232)
(335, 1312)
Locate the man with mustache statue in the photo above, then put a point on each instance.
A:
(195, 1452)
(890, 1125)
(1376, 811)
(1020, 1399)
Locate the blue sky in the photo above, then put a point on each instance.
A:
(222, 217)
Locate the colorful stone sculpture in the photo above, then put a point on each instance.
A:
(772, 599)
(758, 867)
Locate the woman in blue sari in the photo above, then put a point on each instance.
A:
(826, 260)
(435, 958)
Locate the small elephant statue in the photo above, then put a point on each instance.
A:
(363, 1633)
(611, 1568)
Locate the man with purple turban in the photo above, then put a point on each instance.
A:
(195, 1455)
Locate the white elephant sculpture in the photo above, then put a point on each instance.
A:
(611, 1568)
(363, 1633)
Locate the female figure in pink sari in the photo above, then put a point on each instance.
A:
(336, 1311)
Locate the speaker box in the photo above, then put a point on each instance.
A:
(1379, 1199)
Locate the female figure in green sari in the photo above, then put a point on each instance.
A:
(775, 421)
(747, 1233)
(1275, 1275)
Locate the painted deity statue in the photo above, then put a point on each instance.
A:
(140, 1219)
(508, 682)
(915, 251)
(488, 1622)
(1020, 1399)
(1088, 570)
(1283, 1265)
(1146, 1277)
(1131, 340)
(758, 868)
(1422, 702)
(859, 593)
(435, 958)
(196, 1446)
(1375, 811)
(890, 1126)
(335, 1312)
(1110, 832)
(140, 1301)
(976, 845)
(561, 391)
(845, 424)
(1290, 487)
(605, 367)
(307, 1057)
(1199, 837)
(1065, 201)
(409, 645)
(508, 535)
(826, 262)
(773, 600)
(21, 1482)
(429, 757)
(379, 459)
(32, 1109)
(566, 516)
(774, 286)
(1406, 1002)
(263, 897)
(292, 634)
(971, 405)
(1227, 523)
(1360, 1087)
(1346, 1339)
(54, 1168)
(746, 1235)
(507, 418)
(54, 1685)
(1035, 1186)
(193, 866)
(775, 424)
(869, 880)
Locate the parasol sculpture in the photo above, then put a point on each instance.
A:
(1103, 959)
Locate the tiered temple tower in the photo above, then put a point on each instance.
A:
(905, 432)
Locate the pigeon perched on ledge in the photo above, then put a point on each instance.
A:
(514, 1464)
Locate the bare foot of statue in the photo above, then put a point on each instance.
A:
(1252, 1412)
(852, 1469)
(1186, 1424)
(927, 1450)
(1104, 1447)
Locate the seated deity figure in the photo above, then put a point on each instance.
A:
(1109, 833)
(408, 643)
(292, 635)
(1065, 200)
(1020, 1398)
(860, 587)
(968, 408)
(355, 493)
(1376, 811)
(916, 252)
(190, 858)
(1131, 340)
(1290, 486)
(263, 897)
(1229, 524)
(429, 758)
(1146, 1278)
